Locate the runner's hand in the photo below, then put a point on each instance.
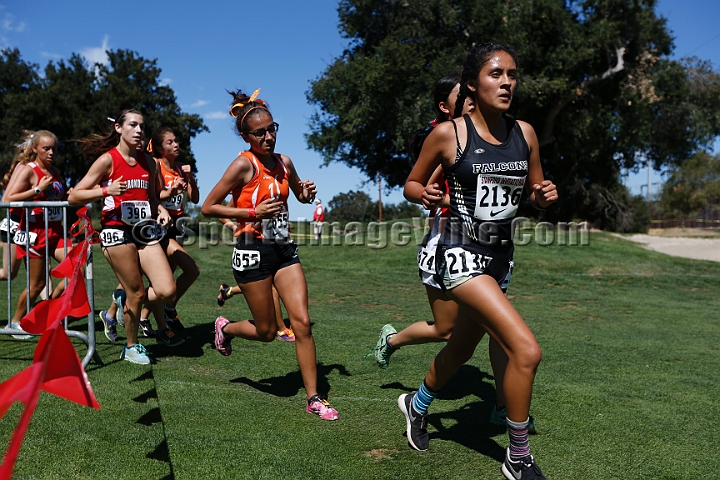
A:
(118, 187)
(431, 196)
(545, 193)
(45, 182)
(268, 208)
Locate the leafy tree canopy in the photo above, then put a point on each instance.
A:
(692, 186)
(73, 99)
(357, 206)
(596, 82)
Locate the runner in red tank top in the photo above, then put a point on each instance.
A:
(10, 220)
(260, 181)
(35, 179)
(132, 223)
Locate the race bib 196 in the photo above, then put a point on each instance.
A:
(461, 263)
(497, 196)
(245, 260)
(135, 211)
(426, 260)
(110, 237)
(21, 238)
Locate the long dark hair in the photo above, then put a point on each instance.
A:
(156, 140)
(441, 93)
(474, 62)
(95, 145)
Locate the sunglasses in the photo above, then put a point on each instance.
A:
(261, 132)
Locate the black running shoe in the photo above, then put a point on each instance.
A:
(416, 424)
(172, 320)
(524, 469)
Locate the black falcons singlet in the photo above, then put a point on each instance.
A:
(486, 183)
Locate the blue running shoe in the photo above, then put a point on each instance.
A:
(136, 354)
(119, 299)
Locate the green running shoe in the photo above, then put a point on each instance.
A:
(383, 349)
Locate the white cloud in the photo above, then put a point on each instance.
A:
(96, 54)
(7, 24)
(199, 103)
(216, 115)
(51, 55)
(164, 82)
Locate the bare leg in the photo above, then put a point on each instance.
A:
(482, 298)
(444, 310)
(190, 270)
(154, 264)
(292, 288)
(124, 261)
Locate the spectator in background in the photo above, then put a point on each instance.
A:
(318, 218)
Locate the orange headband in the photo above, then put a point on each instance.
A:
(149, 146)
(234, 109)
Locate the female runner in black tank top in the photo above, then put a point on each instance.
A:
(484, 195)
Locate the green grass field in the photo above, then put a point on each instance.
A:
(628, 386)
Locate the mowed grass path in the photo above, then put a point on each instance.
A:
(628, 386)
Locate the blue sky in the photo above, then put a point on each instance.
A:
(204, 49)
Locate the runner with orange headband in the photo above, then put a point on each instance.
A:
(260, 181)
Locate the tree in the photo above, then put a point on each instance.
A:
(356, 206)
(353, 206)
(596, 83)
(74, 99)
(692, 186)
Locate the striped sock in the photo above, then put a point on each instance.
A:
(518, 433)
(423, 398)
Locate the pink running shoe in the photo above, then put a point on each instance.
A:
(286, 335)
(322, 408)
(222, 343)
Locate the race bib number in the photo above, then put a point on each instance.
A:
(174, 203)
(21, 238)
(461, 263)
(110, 237)
(276, 228)
(13, 226)
(54, 214)
(135, 211)
(426, 260)
(497, 196)
(245, 260)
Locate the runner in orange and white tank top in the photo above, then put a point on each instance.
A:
(133, 222)
(260, 181)
(35, 179)
(177, 182)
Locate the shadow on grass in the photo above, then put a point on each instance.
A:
(290, 384)
(196, 337)
(470, 424)
(153, 416)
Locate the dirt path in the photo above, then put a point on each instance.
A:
(681, 246)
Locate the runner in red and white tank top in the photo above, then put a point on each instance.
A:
(35, 179)
(125, 181)
(133, 204)
(260, 181)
